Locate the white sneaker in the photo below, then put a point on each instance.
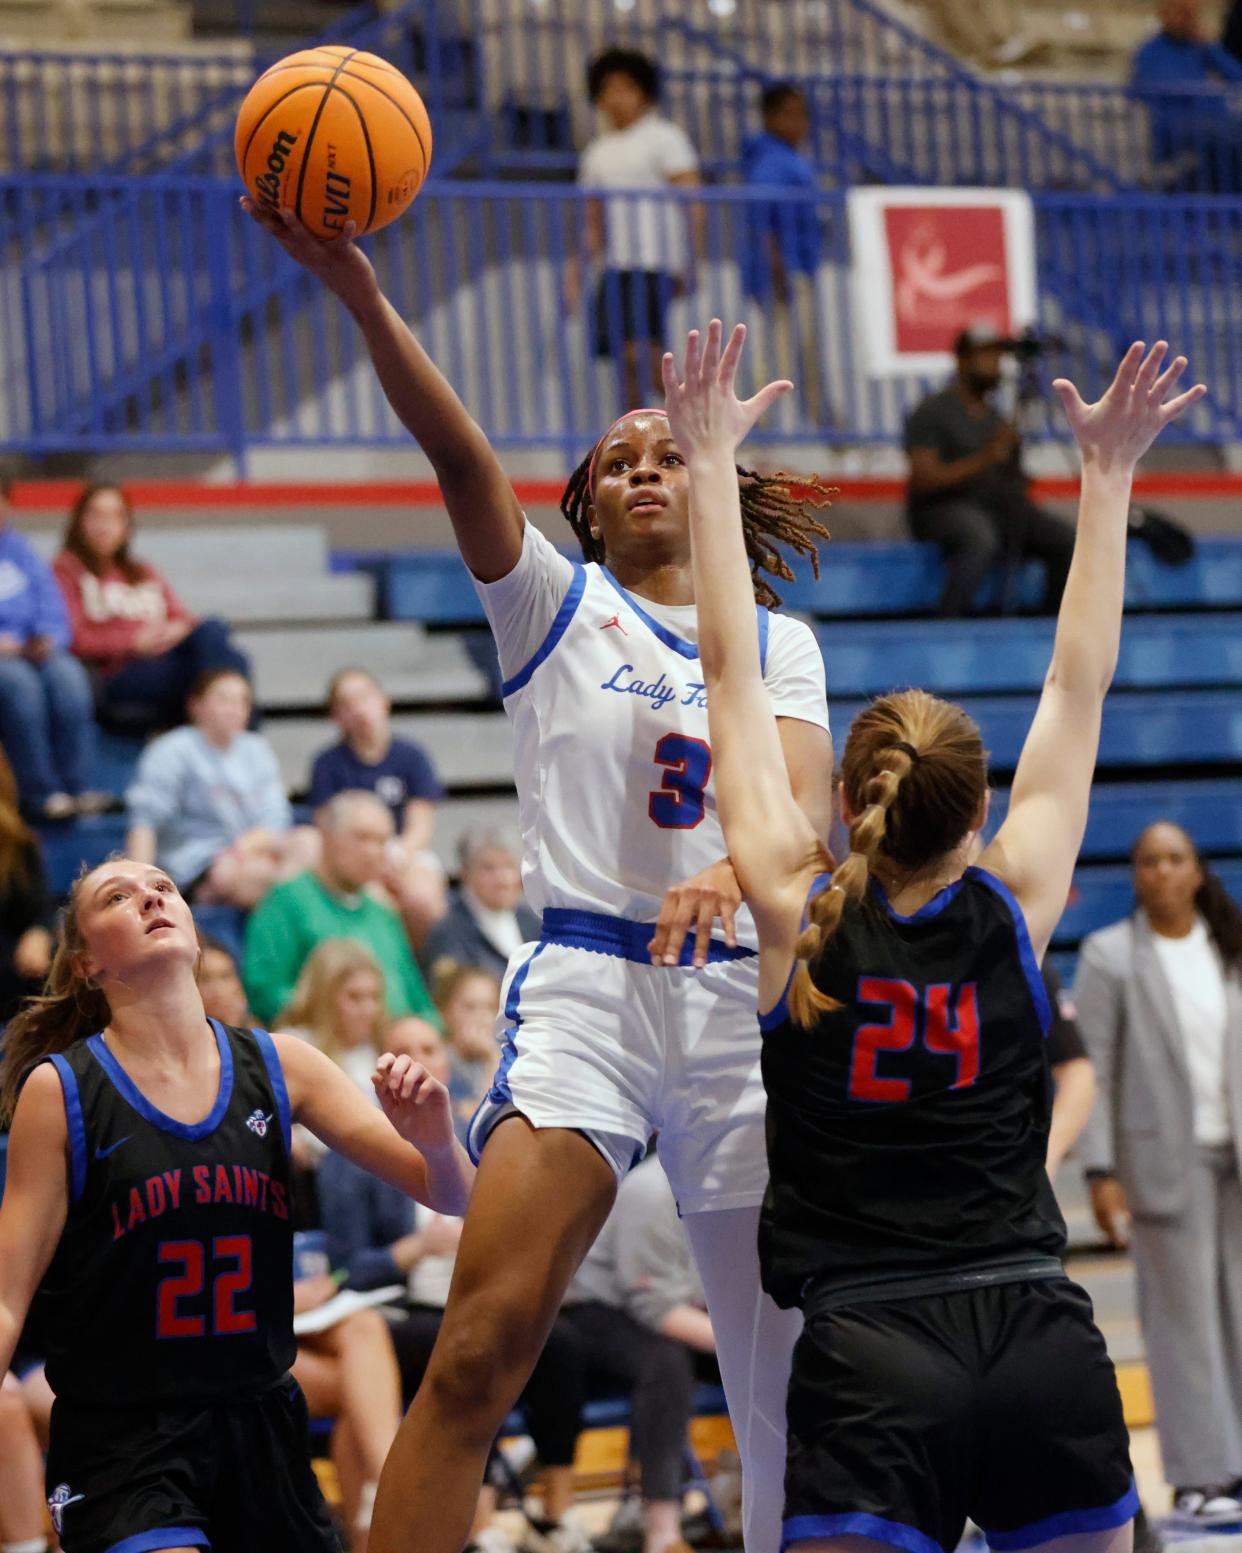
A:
(1206, 1507)
(555, 1537)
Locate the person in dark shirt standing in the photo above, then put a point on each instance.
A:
(967, 492)
(370, 758)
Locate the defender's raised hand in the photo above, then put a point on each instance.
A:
(1115, 431)
(704, 413)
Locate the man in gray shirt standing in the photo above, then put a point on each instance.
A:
(967, 492)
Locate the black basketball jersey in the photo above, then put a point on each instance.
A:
(907, 1129)
(173, 1278)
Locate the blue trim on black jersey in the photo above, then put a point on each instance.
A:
(569, 606)
(77, 1127)
(1067, 1524)
(162, 1537)
(669, 638)
(929, 909)
(763, 638)
(803, 1528)
(623, 938)
(130, 1092)
(1026, 950)
(271, 1061)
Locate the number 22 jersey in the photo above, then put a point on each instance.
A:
(172, 1282)
(612, 759)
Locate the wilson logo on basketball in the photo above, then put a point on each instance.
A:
(267, 185)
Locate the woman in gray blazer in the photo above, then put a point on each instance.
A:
(1160, 1009)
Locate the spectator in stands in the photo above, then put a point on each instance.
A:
(219, 981)
(338, 1005)
(781, 245)
(967, 491)
(637, 1305)
(25, 904)
(128, 626)
(641, 240)
(47, 722)
(349, 1374)
(399, 771)
(468, 997)
(379, 1237)
(1181, 75)
(333, 900)
(208, 804)
(487, 919)
(1160, 1006)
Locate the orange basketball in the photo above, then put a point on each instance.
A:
(335, 136)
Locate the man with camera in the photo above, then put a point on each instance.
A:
(967, 492)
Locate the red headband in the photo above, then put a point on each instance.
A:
(645, 410)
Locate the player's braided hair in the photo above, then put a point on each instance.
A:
(915, 772)
(777, 509)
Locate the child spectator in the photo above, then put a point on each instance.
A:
(333, 900)
(128, 625)
(379, 1237)
(207, 802)
(369, 758)
(642, 240)
(468, 998)
(338, 1005)
(47, 722)
(25, 906)
(487, 919)
(637, 1306)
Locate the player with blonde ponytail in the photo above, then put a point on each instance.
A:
(947, 1368)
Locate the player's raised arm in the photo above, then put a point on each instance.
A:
(1037, 846)
(771, 842)
(36, 1200)
(481, 504)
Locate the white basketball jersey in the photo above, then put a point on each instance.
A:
(612, 760)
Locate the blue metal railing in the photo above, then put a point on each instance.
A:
(149, 313)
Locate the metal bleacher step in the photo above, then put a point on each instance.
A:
(467, 749)
(457, 815)
(292, 665)
(345, 596)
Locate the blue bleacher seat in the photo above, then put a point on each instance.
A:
(1151, 729)
(1210, 812)
(960, 657)
(86, 843)
(858, 579)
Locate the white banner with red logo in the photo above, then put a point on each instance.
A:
(928, 263)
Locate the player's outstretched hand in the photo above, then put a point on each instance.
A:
(416, 1104)
(704, 413)
(712, 895)
(1115, 431)
(340, 264)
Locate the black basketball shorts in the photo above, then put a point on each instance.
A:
(998, 1403)
(234, 1477)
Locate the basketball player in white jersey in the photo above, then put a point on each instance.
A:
(612, 1028)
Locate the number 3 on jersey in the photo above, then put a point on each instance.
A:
(679, 802)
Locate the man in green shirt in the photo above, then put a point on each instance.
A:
(332, 901)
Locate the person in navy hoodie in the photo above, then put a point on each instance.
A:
(782, 242)
(47, 722)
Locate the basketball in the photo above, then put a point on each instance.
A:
(333, 135)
